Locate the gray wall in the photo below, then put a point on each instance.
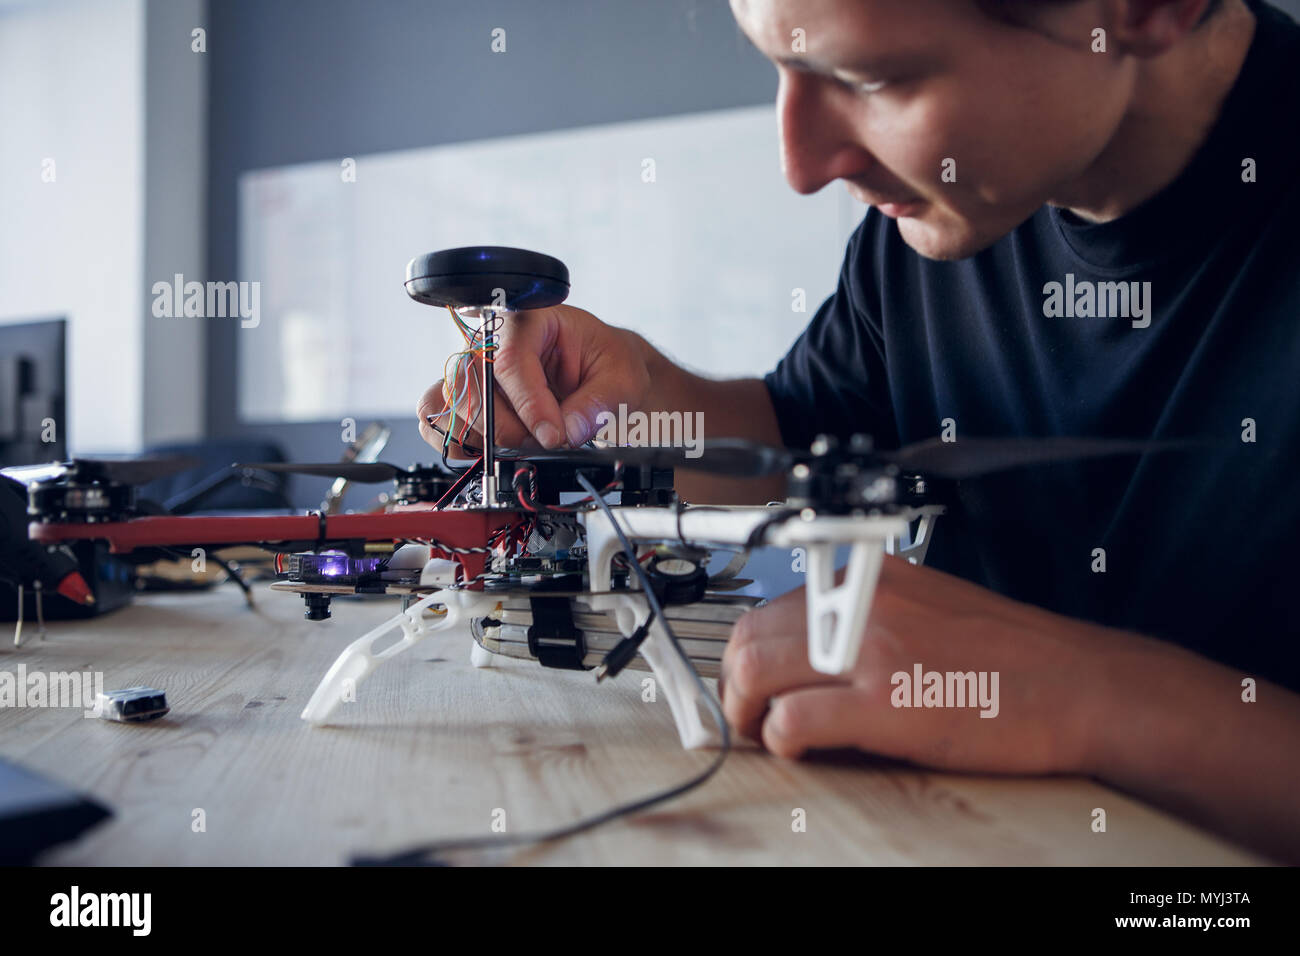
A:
(175, 79)
(295, 81)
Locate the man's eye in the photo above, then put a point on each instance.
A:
(868, 87)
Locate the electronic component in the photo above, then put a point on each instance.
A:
(132, 705)
(332, 567)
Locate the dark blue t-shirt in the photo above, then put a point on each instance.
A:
(1181, 318)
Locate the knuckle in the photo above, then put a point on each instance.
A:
(506, 358)
(526, 409)
(511, 354)
(429, 402)
(783, 734)
(783, 720)
(746, 668)
(742, 632)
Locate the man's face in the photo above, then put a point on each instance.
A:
(884, 93)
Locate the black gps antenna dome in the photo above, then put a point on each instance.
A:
(474, 277)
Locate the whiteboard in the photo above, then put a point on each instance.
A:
(702, 258)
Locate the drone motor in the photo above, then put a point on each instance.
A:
(842, 479)
(422, 484)
(80, 496)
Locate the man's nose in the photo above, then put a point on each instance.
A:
(818, 142)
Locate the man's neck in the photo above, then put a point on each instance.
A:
(1177, 99)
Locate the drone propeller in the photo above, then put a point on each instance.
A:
(362, 472)
(126, 471)
(973, 457)
(968, 458)
(732, 457)
(26, 474)
(741, 458)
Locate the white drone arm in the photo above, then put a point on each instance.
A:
(359, 660)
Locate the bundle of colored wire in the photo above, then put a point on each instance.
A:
(462, 392)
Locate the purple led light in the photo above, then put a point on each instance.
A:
(333, 564)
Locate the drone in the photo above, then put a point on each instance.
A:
(522, 548)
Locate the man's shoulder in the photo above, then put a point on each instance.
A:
(1270, 72)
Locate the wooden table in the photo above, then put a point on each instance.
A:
(434, 747)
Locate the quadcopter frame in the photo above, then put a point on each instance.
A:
(836, 613)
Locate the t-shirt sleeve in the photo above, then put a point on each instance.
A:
(833, 379)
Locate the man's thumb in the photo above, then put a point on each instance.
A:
(584, 413)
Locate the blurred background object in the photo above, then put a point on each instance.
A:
(313, 146)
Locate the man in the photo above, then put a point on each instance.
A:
(1082, 223)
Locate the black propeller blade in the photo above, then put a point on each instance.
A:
(141, 471)
(362, 472)
(741, 458)
(732, 457)
(965, 458)
(126, 471)
(972, 457)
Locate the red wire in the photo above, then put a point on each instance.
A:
(460, 482)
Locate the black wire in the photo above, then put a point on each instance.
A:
(779, 514)
(459, 483)
(421, 855)
(447, 440)
(235, 576)
(468, 449)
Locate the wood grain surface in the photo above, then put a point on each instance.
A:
(432, 748)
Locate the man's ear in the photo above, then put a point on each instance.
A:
(1150, 27)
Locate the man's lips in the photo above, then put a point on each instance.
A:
(898, 210)
(893, 208)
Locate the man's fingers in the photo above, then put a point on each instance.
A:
(519, 372)
(431, 403)
(432, 411)
(762, 660)
(814, 718)
(582, 409)
(510, 431)
(865, 718)
(605, 377)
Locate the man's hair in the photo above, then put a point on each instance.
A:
(1012, 9)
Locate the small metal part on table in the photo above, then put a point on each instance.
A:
(133, 704)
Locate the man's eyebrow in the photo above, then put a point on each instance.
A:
(865, 66)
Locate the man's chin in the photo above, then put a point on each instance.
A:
(943, 240)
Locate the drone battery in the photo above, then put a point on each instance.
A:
(132, 705)
(702, 629)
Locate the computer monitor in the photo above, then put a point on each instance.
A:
(33, 357)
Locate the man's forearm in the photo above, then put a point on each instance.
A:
(735, 408)
(1179, 734)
